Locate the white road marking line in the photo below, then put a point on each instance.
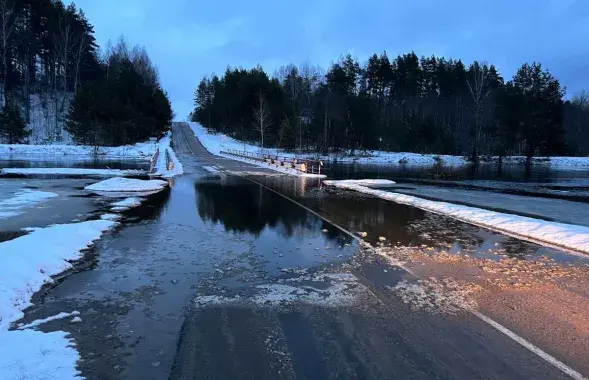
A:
(535, 349)
(523, 342)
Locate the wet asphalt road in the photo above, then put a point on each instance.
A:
(187, 289)
(382, 339)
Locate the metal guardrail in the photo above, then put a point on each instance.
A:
(302, 165)
(153, 163)
(169, 161)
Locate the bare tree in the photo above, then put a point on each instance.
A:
(478, 84)
(262, 117)
(7, 23)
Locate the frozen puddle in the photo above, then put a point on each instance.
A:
(24, 198)
(319, 289)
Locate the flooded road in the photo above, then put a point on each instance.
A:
(224, 277)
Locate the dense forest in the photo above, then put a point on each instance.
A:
(424, 105)
(53, 80)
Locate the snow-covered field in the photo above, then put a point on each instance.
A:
(214, 143)
(568, 236)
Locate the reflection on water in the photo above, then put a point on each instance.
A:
(247, 207)
(509, 173)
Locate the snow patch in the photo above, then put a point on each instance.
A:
(128, 202)
(143, 150)
(24, 198)
(556, 234)
(39, 322)
(127, 185)
(28, 262)
(53, 356)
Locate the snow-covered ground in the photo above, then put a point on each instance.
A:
(73, 172)
(568, 236)
(123, 185)
(214, 143)
(139, 150)
(24, 198)
(26, 264)
(30, 354)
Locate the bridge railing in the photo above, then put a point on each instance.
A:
(302, 165)
(153, 163)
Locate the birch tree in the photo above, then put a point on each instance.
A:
(478, 84)
(262, 117)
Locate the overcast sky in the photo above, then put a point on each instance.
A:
(190, 38)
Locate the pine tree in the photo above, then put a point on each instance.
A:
(13, 126)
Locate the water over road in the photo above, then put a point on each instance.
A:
(222, 277)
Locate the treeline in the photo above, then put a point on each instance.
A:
(49, 57)
(424, 105)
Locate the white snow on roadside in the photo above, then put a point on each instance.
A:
(73, 171)
(28, 262)
(127, 185)
(24, 198)
(161, 166)
(39, 322)
(30, 354)
(214, 144)
(557, 234)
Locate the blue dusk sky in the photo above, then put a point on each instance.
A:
(187, 39)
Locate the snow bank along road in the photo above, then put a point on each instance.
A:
(301, 326)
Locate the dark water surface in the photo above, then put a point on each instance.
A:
(79, 162)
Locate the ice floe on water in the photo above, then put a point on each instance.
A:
(124, 185)
(24, 198)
